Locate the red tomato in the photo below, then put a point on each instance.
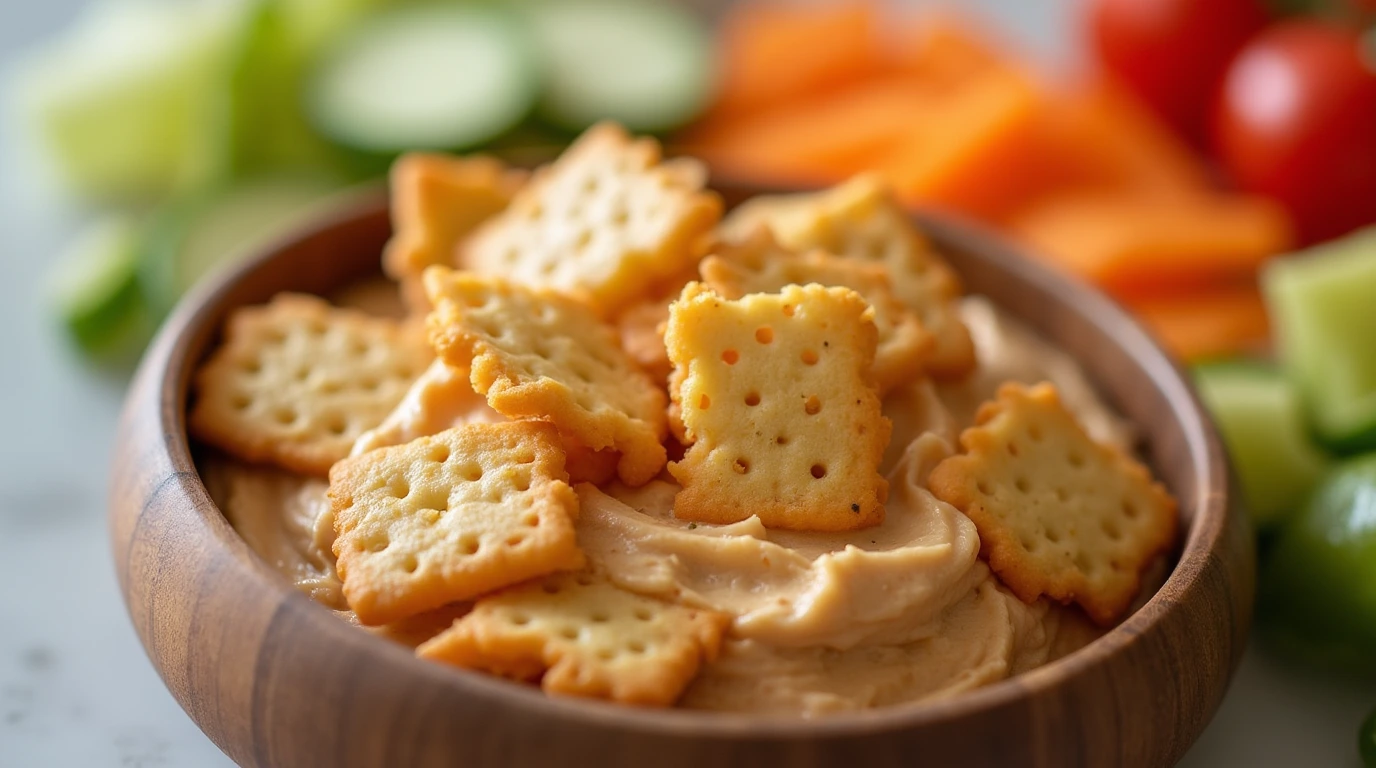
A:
(1173, 53)
(1296, 120)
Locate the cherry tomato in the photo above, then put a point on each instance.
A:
(1296, 120)
(1173, 53)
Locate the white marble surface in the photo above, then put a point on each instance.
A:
(76, 688)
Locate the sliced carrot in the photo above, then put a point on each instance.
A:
(962, 152)
(775, 52)
(1134, 244)
(940, 47)
(1213, 322)
(820, 141)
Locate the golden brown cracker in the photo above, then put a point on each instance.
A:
(581, 636)
(1058, 514)
(605, 222)
(861, 219)
(436, 201)
(538, 354)
(758, 264)
(296, 381)
(780, 408)
(451, 517)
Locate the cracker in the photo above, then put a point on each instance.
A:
(450, 517)
(297, 381)
(758, 264)
(436, 201)
(538, 354)
(780, 407)
(606, 221)
(581, 636)
(1058, 514)
(861, 219)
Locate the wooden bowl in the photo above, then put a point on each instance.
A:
(276, 680)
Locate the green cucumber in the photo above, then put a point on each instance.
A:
(428, 77)
(1323, 306)
(647, 65)
(122, 104)
(1261, 420)
(199, 234)
(94, 288)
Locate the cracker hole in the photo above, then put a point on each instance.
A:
(1111, 530)
(330, 387)
(1062, 494)
(369, 383)
(531, 520)
(1115, 565)
(1012, 449)
(606, 654)
(620, 216)
(752, 399)
(809, 357)
(583, 240)
(764, 335)
(515, 539)
(240, 402)
(730, 357)
(982, 487)
(337, 425)
(1022, 484)
(636, 646)
(439, 454)
(789, 310)
(377, 543)
(472, 473)
(302, 373)
(548, 268)
(1034, 433)
(522, 482)
(1130, 510)
(813, 406)
(399, 487)
(1075, 458)
(1028, 543)
(704, 402)
(781, 440)
(600, 617)
(819, 471)
(284, 416)
(520, 619)
(525, 458)
(741, 466)
(568, 633)
(410, 563)
(643, 614)
(476, 301)
(551, 589)
(469, 544)
(1053, 535)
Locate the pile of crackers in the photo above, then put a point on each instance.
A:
(599, 320)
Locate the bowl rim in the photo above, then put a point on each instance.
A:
(1204, 532)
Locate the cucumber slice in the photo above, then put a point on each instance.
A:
(122, 105)
(201, 234)
(646, 65)
(93, 286)
(1261, 419)
(432, 77)
(1322, 306)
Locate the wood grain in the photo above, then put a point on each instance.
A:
(276, 680)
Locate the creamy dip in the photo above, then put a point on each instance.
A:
(821, 621)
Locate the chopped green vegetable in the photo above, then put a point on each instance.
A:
(123, 102)
(429, 77)
(647, 65)
(1262, 424)
(1322, 306)
(94, 287)
(200, 234)
(1318, 583)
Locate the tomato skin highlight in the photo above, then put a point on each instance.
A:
(1173, 53)
(1296, 120)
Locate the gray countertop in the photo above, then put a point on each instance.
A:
(75, 686)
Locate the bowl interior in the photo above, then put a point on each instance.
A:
(1130, 371)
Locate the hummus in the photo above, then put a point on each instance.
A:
(821, 621)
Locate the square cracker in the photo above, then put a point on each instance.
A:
(1058, 514)
(605, 222)
(451, 517)
(581, 636)
(779, 405)
(758, 264)
(436, 201)
(539, 354)
(861, 219)
(296, 381)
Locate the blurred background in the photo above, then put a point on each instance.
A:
(1210, 164)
